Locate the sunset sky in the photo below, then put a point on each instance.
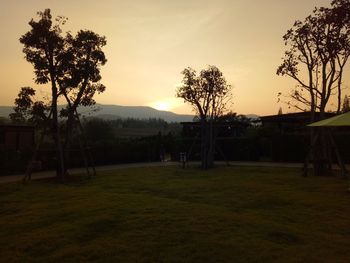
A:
(149, 43)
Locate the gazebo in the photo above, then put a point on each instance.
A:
(342, 120)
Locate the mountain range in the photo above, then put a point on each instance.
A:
(110, 112)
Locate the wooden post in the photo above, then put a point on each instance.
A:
(310, 153)
(28, 173)
(337, 154)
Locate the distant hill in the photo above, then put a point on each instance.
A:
(110, 112)
(5, 111)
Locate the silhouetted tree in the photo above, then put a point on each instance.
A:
(44, 47)
(84, 58)
(280, 111)
(318, 50)
(28, 110)
(71, 65)
(235, 118)
(23, 104)
(98, 130)
(209, 94)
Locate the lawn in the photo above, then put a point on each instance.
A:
(165, 214)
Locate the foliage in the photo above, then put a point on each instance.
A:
(98, 130)
(167, 214)
(236, 118)
(84, 59)
(71, 65)
(26, 109)
(208, 93)
(23, 103)
(317, 51)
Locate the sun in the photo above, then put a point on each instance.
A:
(161, 105)
(166, 104)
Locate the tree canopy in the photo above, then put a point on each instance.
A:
(71, 65)
(208, 92)
(318, 49)
(210, 95)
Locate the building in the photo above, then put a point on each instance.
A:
(290, 122)
(16, 137)
(222, 129)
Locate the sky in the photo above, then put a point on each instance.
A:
(149, 43)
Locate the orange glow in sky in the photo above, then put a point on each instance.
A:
(149, 43)
(162, 106)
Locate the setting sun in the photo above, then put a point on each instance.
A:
(161, 105)
(167, 104)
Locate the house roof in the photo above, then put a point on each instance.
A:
(296, 117)
(336, 121)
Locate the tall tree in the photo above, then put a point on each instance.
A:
(317, 51)
(81, 82)
(44, 46)
(209, 94)
(71, 65)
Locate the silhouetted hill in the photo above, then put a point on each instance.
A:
(5, 111)
(110, 112)
(137, 112)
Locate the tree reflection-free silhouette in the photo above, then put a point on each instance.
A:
(210, 95)
(71, 65)
(318, 50)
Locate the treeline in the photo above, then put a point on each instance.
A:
(252, 143)
(97, 129)
(156, 123)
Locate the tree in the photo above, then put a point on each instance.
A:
(28, 110)
(71, 65)
(280, 111)
(318, 50)
(209, 94)
(99, 130)
(84, 58)
(23, 104)
(43, 47)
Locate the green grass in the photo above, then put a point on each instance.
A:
(173, 215)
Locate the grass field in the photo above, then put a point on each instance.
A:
(172, 215)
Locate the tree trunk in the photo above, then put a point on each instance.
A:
(321, 157)
(68, 137)
(60, 168)
(207, 145)
(210, 145)
(204, 161)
